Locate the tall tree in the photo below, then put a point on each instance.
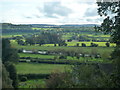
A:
(10, 56)
(8, 53)
(111, 25)
(6, 81)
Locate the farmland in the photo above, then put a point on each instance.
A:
(36, 56)
(72, 44)
(36, 68)
(61, 52)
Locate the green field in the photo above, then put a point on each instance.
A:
(37, 83)
(81, 59)
(89, 43)
(36, 56)
(36, 68)
(14, 43)
(84, 49)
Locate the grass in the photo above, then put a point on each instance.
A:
(89, 60)
(88, 43)
(100, 50)
(37, 47)
(67, 36)
(36, 68)
(101, 35)
(36, 83)
(36, 56)
(8, 36)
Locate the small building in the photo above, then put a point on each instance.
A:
(25, 51)
(42, 52)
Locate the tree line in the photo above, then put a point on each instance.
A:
(43, 38)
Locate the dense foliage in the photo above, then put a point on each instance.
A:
(81, 76)
(6, 81)
(43, 38)
(9, 56)
(111, 24)
(8, 53)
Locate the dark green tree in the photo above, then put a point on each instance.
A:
(111, 25)
(20, 42)
(6, 81)
(8, 53)
(77, 44)
(83, 45)
(108, 44)
(12, 73)
(10, 56)
(80, 76)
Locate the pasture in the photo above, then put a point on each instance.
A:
(71, 46)
(36, 68)
(36, 56)
(57, 58)
(102, 44)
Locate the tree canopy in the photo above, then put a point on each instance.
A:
(9, 56)
(8, 53)
(111, 23)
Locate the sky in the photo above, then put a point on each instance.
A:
(49, 12)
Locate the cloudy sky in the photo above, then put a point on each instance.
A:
(49, 12)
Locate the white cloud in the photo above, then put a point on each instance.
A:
(49, 11)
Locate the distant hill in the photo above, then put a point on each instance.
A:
(16, 29)
(48, 25)
(62, 26)
(79, 25)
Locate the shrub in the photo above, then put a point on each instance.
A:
(33, 76)
(63, 57)
(12, 73)
(23, 79)
(94, 45)
(6, 81)
(83, 45)
(55, 45)
(81, 76)
(77, 44)
(58, 80)
(108, 44)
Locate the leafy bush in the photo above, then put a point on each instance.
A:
(81, 76)
(63, 57)
(23, 79)
(83, 45)
(77, 44)
(58, 80)
(108, 44)
(33, 76)
(94, 45)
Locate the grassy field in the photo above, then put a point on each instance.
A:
(100, 50)
(36, 68)
(89, 43)
(36, 56)
(103, 51)
(81, 59)
(45, 47)
(37, 83)
(8, 36)
(103, 44)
